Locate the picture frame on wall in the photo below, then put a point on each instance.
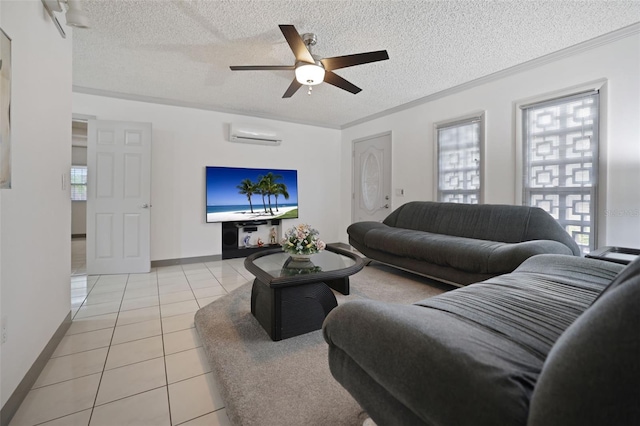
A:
(5, 110)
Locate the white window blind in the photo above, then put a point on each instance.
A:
(459, 162)
(561, 162)
(78, 183)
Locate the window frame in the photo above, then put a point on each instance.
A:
(478, 116)
(598, 221)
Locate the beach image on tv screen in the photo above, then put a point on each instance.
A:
(236, 194)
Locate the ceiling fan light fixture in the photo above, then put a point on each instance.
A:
(309, 74)
(310, 69)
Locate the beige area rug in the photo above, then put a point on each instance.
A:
(266, 383)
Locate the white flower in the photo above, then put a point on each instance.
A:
(302, 239)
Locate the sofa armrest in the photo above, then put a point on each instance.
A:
(358, 230)
(505, 258)
(415, 365)
(592, 374)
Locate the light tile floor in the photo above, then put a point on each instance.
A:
(132, 355)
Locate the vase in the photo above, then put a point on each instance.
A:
(300, 257)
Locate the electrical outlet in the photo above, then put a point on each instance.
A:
(4, 329)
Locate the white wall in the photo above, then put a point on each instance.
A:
(413, 137)
(186, 140)
(36, 213)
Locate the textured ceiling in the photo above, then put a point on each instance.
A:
(180, 51)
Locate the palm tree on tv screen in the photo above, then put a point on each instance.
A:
(247, 188)
(260, 189)
(281, 189)
(269, 187)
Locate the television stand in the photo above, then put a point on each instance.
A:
(235, 233)
(246, 251)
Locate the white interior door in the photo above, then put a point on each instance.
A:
(118, 197)
(372, 178)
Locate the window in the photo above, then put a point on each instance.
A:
(560, 167)
(459, 160)
(78, 183)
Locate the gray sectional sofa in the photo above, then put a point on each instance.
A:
(460, 243)
(541, 346)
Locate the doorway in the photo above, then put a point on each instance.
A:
(371, 199)
(80, 286)
(78, 183)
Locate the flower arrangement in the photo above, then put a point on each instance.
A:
(302, 240)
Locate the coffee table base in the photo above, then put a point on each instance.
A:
(290, 311)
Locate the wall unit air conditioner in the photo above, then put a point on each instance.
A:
(255, 135)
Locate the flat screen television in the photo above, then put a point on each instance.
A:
(239, 194)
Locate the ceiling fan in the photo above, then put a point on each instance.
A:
(311, 69)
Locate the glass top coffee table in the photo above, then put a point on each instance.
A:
(292, 297)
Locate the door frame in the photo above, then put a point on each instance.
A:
(85, 118)
(353, 169)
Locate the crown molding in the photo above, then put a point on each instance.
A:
(194, 105)
(576, 49)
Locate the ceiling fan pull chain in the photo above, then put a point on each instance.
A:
(310, 89)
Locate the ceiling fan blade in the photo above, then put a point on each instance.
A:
(293, 88)
(297, 45)
(261, 67)
(335, 80)
(356, 59)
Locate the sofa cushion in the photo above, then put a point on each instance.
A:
(466, 254)
(533, 305)
(485, 222)
(490, 222)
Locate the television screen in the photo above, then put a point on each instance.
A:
(236, 194)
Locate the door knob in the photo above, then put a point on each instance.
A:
(146, 206)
